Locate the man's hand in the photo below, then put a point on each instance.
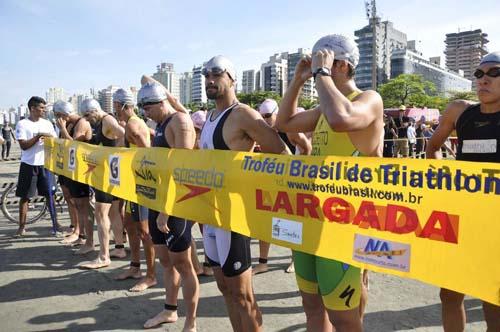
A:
(61, 123)
(323, 58)
(303, 69)
(161, 223)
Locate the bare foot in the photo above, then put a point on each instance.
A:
(118, 253)
(143, 284)
(129, 274)
(290, 268)
(260, 268)
(96, 264)
(189, 326)
(166, 316)
(69, 239)
(20, 233)
(84, 250)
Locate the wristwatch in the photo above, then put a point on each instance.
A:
(323, 71)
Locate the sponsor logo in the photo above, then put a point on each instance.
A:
(387, 254)
(72, 159)
(237, 265)
(198, 181)
(114, 170)
(145, 191)
(144, 172)
(287, 230)
(347, 295)
(91, 162)
(60, 156)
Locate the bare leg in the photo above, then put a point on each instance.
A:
(263, 255)
(142, 228)
(82, 205)
(492, 316)
(346, 320)
(452, 310)
(316, 315)
(135, 251)
(117, 227)
(23, 211)
(103, 224)
(232, 311)
(364, 294)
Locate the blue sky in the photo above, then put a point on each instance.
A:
(94, 43)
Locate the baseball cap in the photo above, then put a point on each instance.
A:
(219, 64)
(89, 105)
(63, 107)
(344, 48)
(151, 93)
(199, 118)
(123, 97)
(493, 57)
(268, 106)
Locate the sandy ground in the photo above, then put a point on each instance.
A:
(42, 289)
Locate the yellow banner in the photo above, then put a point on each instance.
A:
(434, 221)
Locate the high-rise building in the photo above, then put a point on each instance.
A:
(464, 51)
(308, 91)
(106, 98)
(248, 81)
(387, 39)
(274, 73)
(185, 87)
(54, 94)
(405, 61)
(258, 87)
(165, 74)
(198, 93)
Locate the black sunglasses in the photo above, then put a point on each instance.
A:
(267, 115)
(142, 105)
(493, 72)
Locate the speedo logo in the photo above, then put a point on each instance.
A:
(200, 177)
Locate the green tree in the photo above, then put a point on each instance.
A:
(255, 98)
(307, 103)
(467, 95)
(407, 89)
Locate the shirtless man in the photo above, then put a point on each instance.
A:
(137, 134)
(171, 235)
(353, 122)
(81, 131)
(233, 126)
(480, 143)
(107, 207)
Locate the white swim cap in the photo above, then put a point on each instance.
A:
(493, 57)
(199, 119)
(63, 107)
(123, 97)
(89, 105)
(268, 106)
(219, 64)
(344, 48)
(151, 93)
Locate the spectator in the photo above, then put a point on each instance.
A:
(412, 138)
(7, 133)
(390, 133)
(402, 124)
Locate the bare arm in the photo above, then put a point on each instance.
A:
(342, 114)
(112, 128)
(28, 143)
(288, 120)
(258, 130)
(138, 134)
(446, 126)
(83, 131)
(184, 134)
(301, 141)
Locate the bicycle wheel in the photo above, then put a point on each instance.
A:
(10, 206)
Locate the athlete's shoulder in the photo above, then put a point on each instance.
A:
(456, 107)
(245, 111)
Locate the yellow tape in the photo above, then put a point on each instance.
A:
(435, 221)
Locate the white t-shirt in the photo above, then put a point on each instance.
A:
(27, 129)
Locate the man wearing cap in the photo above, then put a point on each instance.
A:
(349, 123)
(478, 134)
(107, 207)
(294, 141)
(233, 126)
(171, 235)
(137, 134)
(33, 177)
(66, 117)
(80, 131)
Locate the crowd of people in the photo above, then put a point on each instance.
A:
(350, 122)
